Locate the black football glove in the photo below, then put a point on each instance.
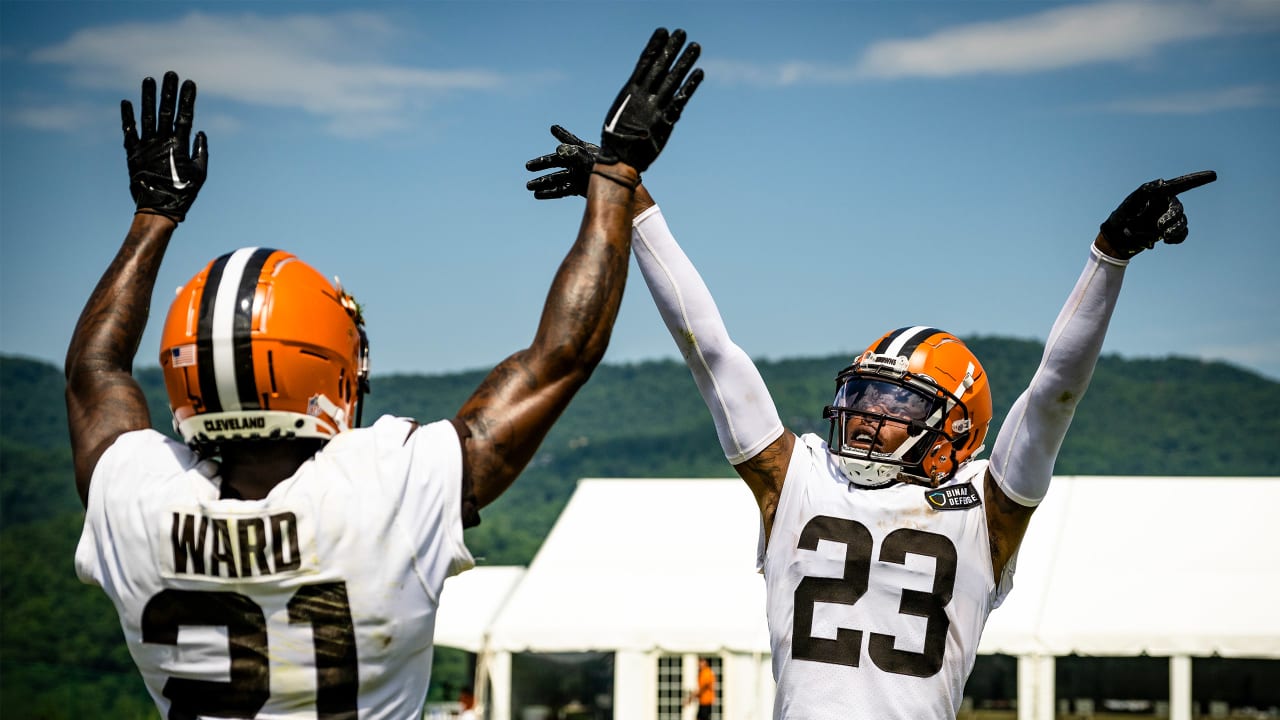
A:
(1152, 214)
(164, 177)
(573, 154)
(642, 116)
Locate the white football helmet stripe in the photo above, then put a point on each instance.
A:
(223, 330)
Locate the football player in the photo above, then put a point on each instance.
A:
(886, 545)
(282, 561)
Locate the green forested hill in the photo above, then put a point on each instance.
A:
(61, 655)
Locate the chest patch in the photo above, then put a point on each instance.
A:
(954, 497)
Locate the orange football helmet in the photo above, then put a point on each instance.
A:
(259, 345)
(926, 384)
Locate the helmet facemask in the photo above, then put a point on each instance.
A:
(889, 424)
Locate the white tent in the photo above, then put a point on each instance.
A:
(1178, 567)
(469, 603)
(645, 568)
(643, 565)
(1164, 566)
(1121, 566)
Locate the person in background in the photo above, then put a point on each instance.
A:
(705, 695)
(467, 701)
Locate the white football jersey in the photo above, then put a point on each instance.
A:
(876, 597)
(318, 601)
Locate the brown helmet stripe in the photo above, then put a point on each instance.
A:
(223, 344)
(904, 341)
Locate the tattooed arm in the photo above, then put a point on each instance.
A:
(510, 413)
(103, 399)
(765, 473)
(504, 422)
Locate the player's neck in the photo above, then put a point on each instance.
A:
(250, 471)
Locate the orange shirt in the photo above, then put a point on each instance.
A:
(706, 686)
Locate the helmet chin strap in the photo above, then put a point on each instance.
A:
(866, 473)
(873, 475)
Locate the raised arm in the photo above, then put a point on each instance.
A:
(747, 423)
(103, 399)
(1026, 449)
(517, 403)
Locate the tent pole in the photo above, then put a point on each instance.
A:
(1180, 687)
(1035, 687)
(499, 668)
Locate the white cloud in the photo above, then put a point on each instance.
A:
(327, 65)
(57, 118)
(793, 72)
(1195, 103)
(1054, 39)
(1050, 40)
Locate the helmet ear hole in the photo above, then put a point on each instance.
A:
(271, 370)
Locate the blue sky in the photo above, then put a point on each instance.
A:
(846, 168)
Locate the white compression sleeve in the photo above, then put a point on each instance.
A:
(1024, 453)
(745, 417)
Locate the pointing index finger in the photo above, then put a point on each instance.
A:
(1190, 181)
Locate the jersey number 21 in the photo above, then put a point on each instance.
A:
(323, 606)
